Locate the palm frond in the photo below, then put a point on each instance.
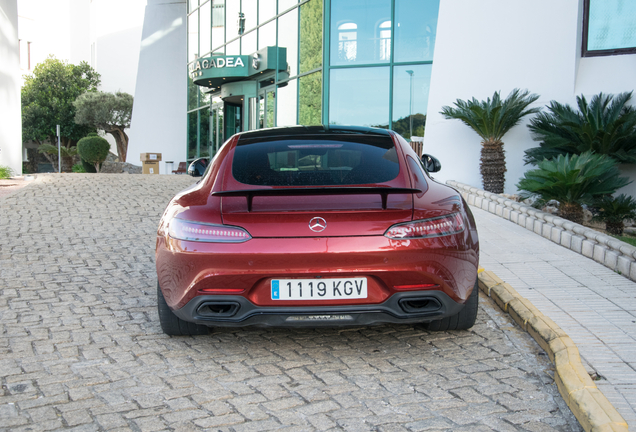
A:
(616, 209)
(573, 178)
(493, 118)
(607, 125)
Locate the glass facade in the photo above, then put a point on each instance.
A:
(349, 62)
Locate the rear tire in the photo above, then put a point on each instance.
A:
(173, 325)
(464, 320)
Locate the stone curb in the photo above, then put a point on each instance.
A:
(590, 407)
(612, 253)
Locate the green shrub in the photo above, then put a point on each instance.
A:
(5, 172)
(613, 211)
(78, 168)
(51, 151)
(93, 149)
(89, 167)
(572, 181)
(606, 126)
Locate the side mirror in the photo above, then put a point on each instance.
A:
(431, 163)
(197, 167)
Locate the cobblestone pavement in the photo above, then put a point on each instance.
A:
(81, 347)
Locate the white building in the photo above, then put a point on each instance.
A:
(492, 45)
(10, 118)
(159, 119)
(381, 61)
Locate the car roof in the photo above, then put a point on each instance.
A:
(290, 131)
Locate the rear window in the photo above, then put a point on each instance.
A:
(312, 161)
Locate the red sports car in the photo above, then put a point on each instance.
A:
(315, 226)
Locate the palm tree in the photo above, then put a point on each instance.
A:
(613, 211)
(572, 180)
(606, 126)
(50, 152)
(492, 119)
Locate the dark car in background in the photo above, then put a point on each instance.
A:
(317, 226)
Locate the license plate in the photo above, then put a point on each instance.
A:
(319, 289)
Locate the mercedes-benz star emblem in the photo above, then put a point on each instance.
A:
(317, 224)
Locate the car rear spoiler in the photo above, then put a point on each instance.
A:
(382, 191)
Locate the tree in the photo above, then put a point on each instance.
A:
(93, 149)
(110, 112)
(50, 152)
(47, 101)
(573, 180)
(606, 126)
(492, 119)
(614, 210)
(415, 122)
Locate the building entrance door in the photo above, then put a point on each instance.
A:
(216, 127)
(233, 117)
(266, 107)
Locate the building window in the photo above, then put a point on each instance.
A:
(310, 99)
(310, 36)
(370, 35)
(609, 27)
(415, 32)
(352, 103)
(218, 13)
(410, 99)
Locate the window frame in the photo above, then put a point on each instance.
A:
(597, 53)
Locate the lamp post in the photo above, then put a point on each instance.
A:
(410, 72)
(59, 151)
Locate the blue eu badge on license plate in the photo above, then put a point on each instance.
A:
(275, 290)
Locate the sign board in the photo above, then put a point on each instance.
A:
(217, 70)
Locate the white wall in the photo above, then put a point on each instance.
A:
(492, 45)
(80, 47)
(113, 48)
(10, 112)
(116, 27)
(159, 111)
(610, 74)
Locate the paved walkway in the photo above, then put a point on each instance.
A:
(81, 347)
(594, 305)
(9, 186)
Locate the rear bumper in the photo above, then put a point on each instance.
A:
(189, 270)
(237, 311)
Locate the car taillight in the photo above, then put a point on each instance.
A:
(202, 232)
(435, 227)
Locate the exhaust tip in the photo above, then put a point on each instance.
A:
(420, 305)
(218, 309)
